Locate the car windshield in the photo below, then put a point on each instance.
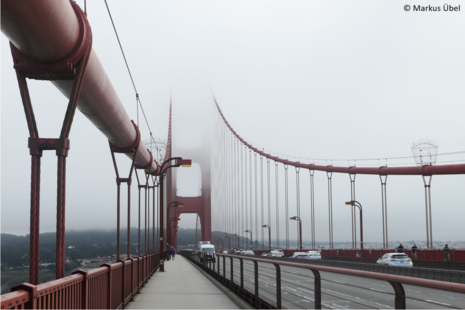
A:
(210, 250)
(399, 256)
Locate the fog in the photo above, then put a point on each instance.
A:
(336, 80)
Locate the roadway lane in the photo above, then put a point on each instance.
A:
(297, 290)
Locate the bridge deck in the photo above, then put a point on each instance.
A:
(181, 286)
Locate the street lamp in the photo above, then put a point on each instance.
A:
(164, 167)
(296, 218)
(229, 242)
(269, 235)
(251, 238)
(222, 245)
(170, 224)
(359, 205)
(237, 240)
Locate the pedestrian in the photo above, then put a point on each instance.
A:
(446, 251)
(414, 251)
(169, 253)
(174, 253)
(400, 248)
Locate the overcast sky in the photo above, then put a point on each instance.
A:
(315, 79)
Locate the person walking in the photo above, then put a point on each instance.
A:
(446, 251)
(174, 253)
(169, 253)
(400, 248)
(414, 251)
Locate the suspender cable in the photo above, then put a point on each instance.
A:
(297, 185)
(353, 215)
(256, 199)
(330, 208)
(250, 196)
(286, 204)
(312, 206)
(277, 201)
(261, 199)
(268, 192)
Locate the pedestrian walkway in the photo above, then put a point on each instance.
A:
(181, 286)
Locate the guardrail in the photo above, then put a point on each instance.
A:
(261, 302)
(111, 286)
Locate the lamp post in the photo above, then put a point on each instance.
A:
(222, 245)
(229, 242)
(172, 226)
(173, 204)
(359, 205)
(251, 239)
(237, 240)
(216, 244)
(164, 167)
(296, 218)
(269, 235)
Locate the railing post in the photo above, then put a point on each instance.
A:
(132, 278)
(255, 269)
(400, 295)
(224, 269)
(232, 274)
(32, 290)
(242, 276)
(278, 286)
(84, 289)
(108, 284)
(317, 288)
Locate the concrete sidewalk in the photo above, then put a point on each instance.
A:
(181, 286)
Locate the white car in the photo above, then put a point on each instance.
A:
(299, 255)
(249, 252)
(395, 259)
(265, 253)
(225, 252)
(314, 255)
(276, 253)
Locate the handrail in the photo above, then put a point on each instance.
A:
(85, 289)
(396, 281)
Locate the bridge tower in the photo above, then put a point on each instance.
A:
(200, 204)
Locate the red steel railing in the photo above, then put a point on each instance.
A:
(111, 286)
(252, 294)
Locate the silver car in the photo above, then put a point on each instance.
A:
(395, 259)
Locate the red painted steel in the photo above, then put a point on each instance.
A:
(414, 170)
(109, 285)
(51, 36)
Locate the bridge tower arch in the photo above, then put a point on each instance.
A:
(200, 204)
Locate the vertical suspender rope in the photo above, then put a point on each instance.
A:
(286, 204)
(246, 220)
(261, 200)
(251, 215)
(312, 206)
(353, 215)
(256, 200)
(297, 185)
(384, 209)
(277, 201)
(330, 208)
(269, 194)
(241, 231)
